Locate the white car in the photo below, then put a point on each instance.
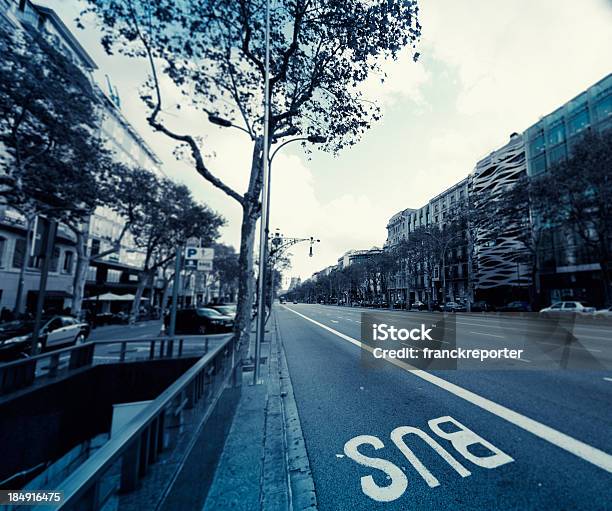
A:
(603, 313)
(563, 308)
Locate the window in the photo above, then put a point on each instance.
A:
(569, 305)
(19, 253)
(113, 276)
(603, 107)
(556, 133)
(54, 324)
(557, 154)
(95, 247)
(556, 306)
(578, 121)
(536, 146)
(54, 260)
(67, 266)
(538, 164)
(2, 247)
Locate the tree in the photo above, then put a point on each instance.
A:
(226, 269)
(214, 53)
(54, 160)
(167, 218)
(126, 192)
(574, 200)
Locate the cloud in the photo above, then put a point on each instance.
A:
(521, 59)
(401, 79)
(347, 221)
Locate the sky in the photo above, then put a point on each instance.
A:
(487, 68)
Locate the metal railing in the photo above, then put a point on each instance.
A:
(45, 367)
(117, 467)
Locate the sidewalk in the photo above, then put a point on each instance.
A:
(264, 465)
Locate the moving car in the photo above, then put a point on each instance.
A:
(515, 307)
(569, 307)
(603, 313)
(482, 306)
(295, 301)
(55, 332)
(453, 307)
(202, 320)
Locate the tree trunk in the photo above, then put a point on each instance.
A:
(246, 279)
(144, 279)
(18, 309)
(80, 273)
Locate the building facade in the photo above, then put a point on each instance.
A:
(117, 272)
(498, 269)
(422, 280)
(566, 267)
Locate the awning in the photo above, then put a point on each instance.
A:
(112, 297)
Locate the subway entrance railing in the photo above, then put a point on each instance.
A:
(113, 476)
(47, 367)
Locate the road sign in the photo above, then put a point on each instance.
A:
(205, 254)
(204, 265)
(200, 259)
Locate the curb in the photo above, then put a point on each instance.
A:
(301, 484)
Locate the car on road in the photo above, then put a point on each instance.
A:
(482, 306)
(295, 302)
(453, 307)
(603, 313)
(201, 321)
(567, 308)
(515, 307)
(282, 301)
(418, 306)
(55, 332)
(225, 309)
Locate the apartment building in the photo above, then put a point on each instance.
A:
(118, 272)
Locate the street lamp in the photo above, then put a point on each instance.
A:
(444, 248)
(280, 243)
(265, 190)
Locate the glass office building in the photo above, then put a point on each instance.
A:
(567, 267)
(551, 139)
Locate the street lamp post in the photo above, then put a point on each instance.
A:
(280, 243)
(444, 248)
(265, 191)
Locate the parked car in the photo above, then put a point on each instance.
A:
(418, 306)
(566, 308)
(225, 309)
(603, 313)
(482, 306)
(203, 320)
(282, 301)
(453, 307)
(55, 332)
(515, 307)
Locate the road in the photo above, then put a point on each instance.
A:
(507, 439)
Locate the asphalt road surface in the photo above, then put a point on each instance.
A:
(506, 439)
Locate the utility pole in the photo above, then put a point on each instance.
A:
(175, 289)
(49, 240)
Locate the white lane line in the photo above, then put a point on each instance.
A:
(490, 335)
(607, 379)
(334, 321)
(585, 451)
